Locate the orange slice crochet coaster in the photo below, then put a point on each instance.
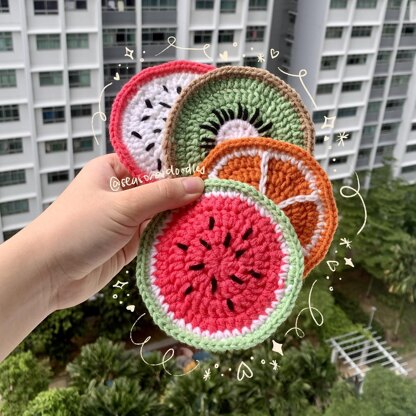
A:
(291, 178)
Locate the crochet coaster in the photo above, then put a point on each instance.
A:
(291, 178)
(140, 110)
(233, 102)
(223, 272)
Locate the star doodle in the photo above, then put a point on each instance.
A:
(120, 284)
(328, 122)
(345, 242)
(274, 364)
(277, 347)
(348, 262)
(207, 374)
(129, 53)
(341, 137)
(260, 57)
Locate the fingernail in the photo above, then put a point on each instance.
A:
(193, 185)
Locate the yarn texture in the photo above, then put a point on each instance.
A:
(223, 272)
(140, 111)
(291, 178)
(233, 102)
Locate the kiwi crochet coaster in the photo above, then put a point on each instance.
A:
(233, 102)
(291, 178)
(140, 110)
(223, 272)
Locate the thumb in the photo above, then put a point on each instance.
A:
(147, 200)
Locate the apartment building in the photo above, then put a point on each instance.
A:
(360, 58)
(57, 55)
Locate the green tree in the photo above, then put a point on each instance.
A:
(22, 377)
(55, 402)
(122, 398)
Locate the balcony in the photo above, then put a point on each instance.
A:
(398, 90)
(393, 114)
(376, 92)
(407, 41)
(373, 116)
(382, 67)
(363, 161)
(392, 14)
(401, 66)
(119, 19)
(387, 41)
(158, 17)
(409, 157)
(388, 137)
(367, 141)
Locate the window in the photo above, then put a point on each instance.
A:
(409, 30)
(409, 169)
(413, 126)
(119, 37)
(334, 32)
(14, 207)
(158, 5)
(204, 4)
(373, 107)
(292, 17)
(351, 86)
(324, 89)
(7, 78)
(389, 30)
(50, 78)
(347, 112)
(4, 6)
(257, 5)
(53, 146)
(329, 62)
(319, 116)
(12, 177)
(125, 72)
(411, 148)
(357, 59)
(75, 4)
(319, 139)
(81, 110)
(79, 78)
(6, 41)
(252, 61)
(389, 128)
(202, 37)
(53, 115)
(383, 56)
(228, 6)
(148, 64)
(77, 41)
(338, 160)
(152, 36)
(338, 4)
(366, 4)
(400, 80)
(44, 42)
(378, 82)
(255, 33)
(76, 171)
(394, 104)
(394, 4)
(9, 113)
(11, 146)
(119, 5)
(405, 55)
(361, 31)
(83, 144)
(45, 6)
(60, 176)
(226, 36)
(369, 131)
(221, 64)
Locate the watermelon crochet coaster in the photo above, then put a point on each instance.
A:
(140, 110)
(291, 178)
(223, 272)
(233, 102)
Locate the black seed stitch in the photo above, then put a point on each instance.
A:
(227, 240)
(157, 130)
(144, 118)
(179, 89)
(254, 116)
(183, 247)
(236, 279)
(165, 88)
(232, 114)
(240, 111)
(148, 103)
(230, 305)
(208, 139)
(211, 223)
(164, 119)
(218, 115)
(224, 114)
(213, 284)
(189, 290)
(215, 125)
(207, 146)
(150, 147)
(245, 114)
(165, 104)
(258, 123)
(256, 275)
(239, 253)
(209, 128)
(135, 134)
(205, 244)
(247, 234)
(198, 266)
(267, 127)
(159, 165)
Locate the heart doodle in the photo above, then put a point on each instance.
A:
(117, 77)
(131, 308)
(273, 53)
(332, 264)
(224, 55)
(241, 372)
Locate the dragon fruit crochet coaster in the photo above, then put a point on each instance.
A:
(140, 110)
(233, 102)
(223, 272)
(291, 178)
